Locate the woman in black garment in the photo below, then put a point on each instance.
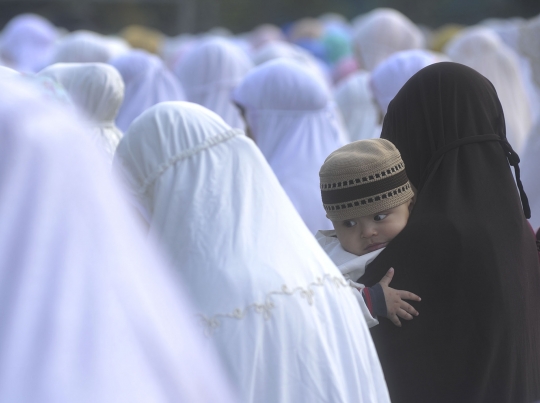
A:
(467, 250)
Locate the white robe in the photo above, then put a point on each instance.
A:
(351, 266)
(88, 311)
(282, 317)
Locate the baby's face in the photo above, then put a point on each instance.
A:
(365, 234)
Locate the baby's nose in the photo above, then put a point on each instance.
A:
(368, 231)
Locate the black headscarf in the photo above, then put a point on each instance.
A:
(467, 250)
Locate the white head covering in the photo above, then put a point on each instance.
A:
(283, 50)
(82, 47)
(97, 90)
(117, 45)
(210, 72)
(294, 122)
(87, 311)
(383, 32)
(392, 73)
(358, 107)
(272, 301)
(27, 42)
(147, 83)
(481, 49)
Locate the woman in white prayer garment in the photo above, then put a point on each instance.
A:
(481, 49)
(27, 42)
(210, 72)
(279, 49)
(277, 309)
(97, 90)
(392, 73)
(88, 311)
(295, 123)
(82, 47)
(379, 34)
(147, 82)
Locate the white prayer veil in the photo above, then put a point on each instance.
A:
(97, 90)
(295, 124)
(529, 43)
(269, 297)
(481, 49)
(283, 50)
(88, 312)
(530, 173)
(392, 73)
(147, 82)
(209, 73)
(358, 107)
(27, 42)
(381, 33)
(82, 47)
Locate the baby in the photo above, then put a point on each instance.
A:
(367, 195)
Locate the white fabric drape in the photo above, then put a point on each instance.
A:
(381, 33)
(294, 122)
(528, 45)
(285, 324)
(530, 173)
(82, 47)
(147, 82)
(481, 49)
(210, 72)
(27, 42)
(88, 313)
(392, 73)
(97, 90)
(284, 50)
(358, 107)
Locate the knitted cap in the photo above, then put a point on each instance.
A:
(362, 178)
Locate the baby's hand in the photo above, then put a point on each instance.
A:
(395, 304)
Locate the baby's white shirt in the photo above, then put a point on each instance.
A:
(350, 265)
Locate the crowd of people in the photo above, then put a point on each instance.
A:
(330, 211)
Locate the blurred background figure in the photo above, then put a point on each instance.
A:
(27, 42)
(481, 49)
(82, 47)
(210, 72)
(97, 90)
(147, 82)
(381, 33)
(292, 119)
(89, 313)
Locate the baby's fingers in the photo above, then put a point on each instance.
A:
(402, 313)
(408, 308)
(408, 295)
(394, 319)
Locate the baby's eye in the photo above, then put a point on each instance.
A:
(349, 223)
(379, 217)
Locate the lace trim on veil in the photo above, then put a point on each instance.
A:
(265, 308)
(209, 142)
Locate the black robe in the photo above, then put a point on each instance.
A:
(467, 250)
